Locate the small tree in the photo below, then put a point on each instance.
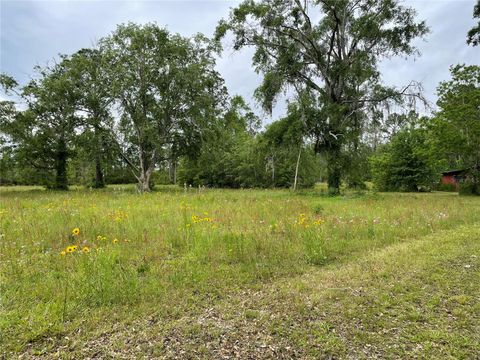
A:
(225, 150)
(405, 164)
(287, 156)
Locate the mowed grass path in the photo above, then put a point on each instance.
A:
(246, 273)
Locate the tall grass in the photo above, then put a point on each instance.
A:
(169, 246)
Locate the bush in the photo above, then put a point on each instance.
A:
(405, 164)
(469, 187)
(446, 187)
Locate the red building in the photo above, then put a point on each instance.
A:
(453, 177)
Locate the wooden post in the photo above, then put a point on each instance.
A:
(296, 170)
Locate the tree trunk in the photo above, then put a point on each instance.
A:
(476, 180)
(334, 169)
(175, 172)
(144, 181)
(61, 181)
(146, 170)
(172, 171)
(273, 171)
(99, 178)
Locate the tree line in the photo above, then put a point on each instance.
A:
(146, 105)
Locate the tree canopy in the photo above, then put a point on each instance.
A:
(166, 89)
(329, 48)
(473, 36)
(146, 105)
(457, 123)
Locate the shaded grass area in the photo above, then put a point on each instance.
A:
(178, 253)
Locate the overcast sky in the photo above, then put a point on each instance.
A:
(33, 32)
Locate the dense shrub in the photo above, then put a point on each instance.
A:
(469, 186)
(446, 187)
(241, 159)
(404, 164)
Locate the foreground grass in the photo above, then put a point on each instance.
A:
(417, 299)
(258, 273)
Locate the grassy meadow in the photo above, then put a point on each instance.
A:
(238, 273)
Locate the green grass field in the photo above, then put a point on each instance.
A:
(238, 273)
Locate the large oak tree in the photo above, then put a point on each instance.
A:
(45, 132)
(330, 49)
(166, 91)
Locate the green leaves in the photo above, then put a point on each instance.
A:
(166, 89)
(473, 36)
(271, 86)
(406, 163)
(457, 125)
(7, 82)
(144, 92)
(327, 48)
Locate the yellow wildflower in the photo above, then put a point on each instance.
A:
(86, 249)
(71, 249)
(63, 253)
(76, 231)
(115, 241)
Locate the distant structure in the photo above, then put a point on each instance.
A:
(454, 177)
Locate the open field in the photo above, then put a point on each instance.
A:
(238, 273)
